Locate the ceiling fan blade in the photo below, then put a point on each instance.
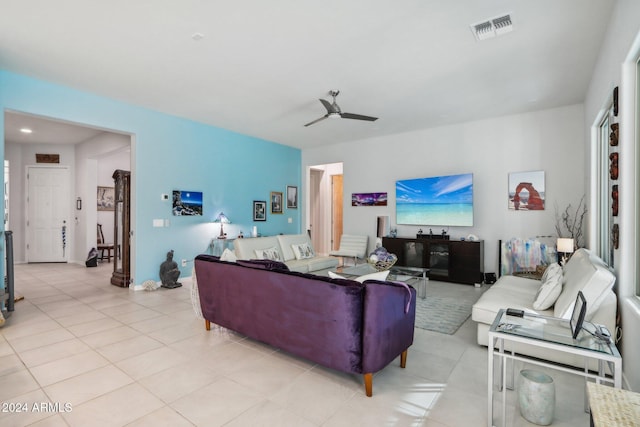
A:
(329, 106)
(317, 120)
(358, 117)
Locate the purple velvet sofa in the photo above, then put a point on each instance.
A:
(337, 323)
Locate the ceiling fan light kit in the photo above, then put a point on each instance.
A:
(334, 111)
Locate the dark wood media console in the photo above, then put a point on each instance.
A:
(447, 260)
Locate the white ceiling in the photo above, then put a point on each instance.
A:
(44, 131)
(261, 66)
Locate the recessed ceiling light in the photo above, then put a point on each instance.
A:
(26, 130)
(197, 36)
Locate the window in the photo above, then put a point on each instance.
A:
(636, 128)
(604, 218)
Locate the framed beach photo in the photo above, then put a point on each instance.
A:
(292, 197)
(276, 202)
(259, 210)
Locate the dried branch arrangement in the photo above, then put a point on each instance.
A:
(569, 224)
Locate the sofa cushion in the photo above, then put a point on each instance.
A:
(587, 273)
(550, 289)
(268, 253)
(517, 284)
(286, 240)
(303, 250)
(298, 265)
(320, 263)
(507, 292)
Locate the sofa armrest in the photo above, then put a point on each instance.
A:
(388, 324)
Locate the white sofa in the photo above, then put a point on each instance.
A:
(282, 248)
(583, 272)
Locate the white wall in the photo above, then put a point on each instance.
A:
(610, 72)
(97, 159)
(549, 140)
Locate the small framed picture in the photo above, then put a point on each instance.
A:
(259, 210)
(276, 202)
(292, 197)
(106, 199)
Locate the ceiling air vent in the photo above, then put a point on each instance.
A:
(492, 27)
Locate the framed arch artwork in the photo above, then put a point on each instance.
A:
(526, 191)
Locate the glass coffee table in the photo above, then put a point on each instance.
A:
(414, 276)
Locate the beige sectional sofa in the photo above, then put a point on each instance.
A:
(583, 272)
(295, 250)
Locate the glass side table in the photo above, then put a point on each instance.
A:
(551, 334)
(217, 246)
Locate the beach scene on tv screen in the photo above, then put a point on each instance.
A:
(440, 200)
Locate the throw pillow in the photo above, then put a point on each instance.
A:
(335, 276)
(380, 275)
(551, 268)
(550, 289)
(303, 251)
(228, 255)
(269, 253)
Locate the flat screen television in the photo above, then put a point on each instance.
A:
(438, 200)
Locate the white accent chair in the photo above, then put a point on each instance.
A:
(352, 246)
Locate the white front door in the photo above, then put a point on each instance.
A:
(48, 222)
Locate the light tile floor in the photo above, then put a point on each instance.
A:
(78, 351)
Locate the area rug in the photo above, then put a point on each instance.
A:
(444, 314)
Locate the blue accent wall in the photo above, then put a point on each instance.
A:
(171, 153)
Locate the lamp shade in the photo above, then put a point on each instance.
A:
(565, 245)
(222, 218)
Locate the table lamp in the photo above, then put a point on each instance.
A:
(222, 219)
(564, 246)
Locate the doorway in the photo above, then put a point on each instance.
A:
(336, 211)
(90, 155)
(325, 206)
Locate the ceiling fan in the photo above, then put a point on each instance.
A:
(334, 111)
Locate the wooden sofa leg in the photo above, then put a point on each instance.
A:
(368, 384)
(403, 359)
(207, 324)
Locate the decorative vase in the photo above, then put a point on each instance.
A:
(537, 397)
